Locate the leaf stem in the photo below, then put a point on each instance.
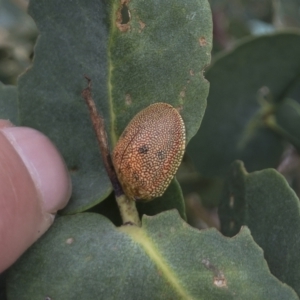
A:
(127, 206)
(128, 210)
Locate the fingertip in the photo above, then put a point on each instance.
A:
(45, 164)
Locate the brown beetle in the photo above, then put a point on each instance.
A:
(150, 151)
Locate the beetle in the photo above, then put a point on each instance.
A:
(149, 151)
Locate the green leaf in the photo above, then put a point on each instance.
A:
(286, 121)
(161, 57)
(294, 91)
(233, 126)
(208, 189)
(264, 201)
(172, 198)
(3, 285)
(9, 103)
(86, 257)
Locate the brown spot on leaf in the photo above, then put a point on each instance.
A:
(220, 281)
(123, 16)
(231, 201)
(128, 100)
(202, 41)
(192, 73)
(182, 93)
(219, 278)
(70, 241)
(142, 25)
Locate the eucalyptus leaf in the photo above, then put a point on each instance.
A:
(286, 121)
(264, 202)
(9, 103)
(85, 257)
(233, 126)
(172, 198)
(3, 286)
(294, 91)
(136, 53)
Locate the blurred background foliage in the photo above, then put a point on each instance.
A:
(18, 34)
(234, 20)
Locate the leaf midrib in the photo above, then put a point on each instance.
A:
(112, 28)
(139, 236)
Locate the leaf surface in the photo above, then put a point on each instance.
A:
(172, 198)
(264, 202)
(9, 103)
(85, 257)
(233, 126)
(159, 58)
(286, 121)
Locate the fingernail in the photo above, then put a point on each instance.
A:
(44, 163)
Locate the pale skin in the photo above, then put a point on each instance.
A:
(34, 185)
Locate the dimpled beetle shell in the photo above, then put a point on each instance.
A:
(150, 151)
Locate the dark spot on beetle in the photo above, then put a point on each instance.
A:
(161, 154)
(143, 150)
